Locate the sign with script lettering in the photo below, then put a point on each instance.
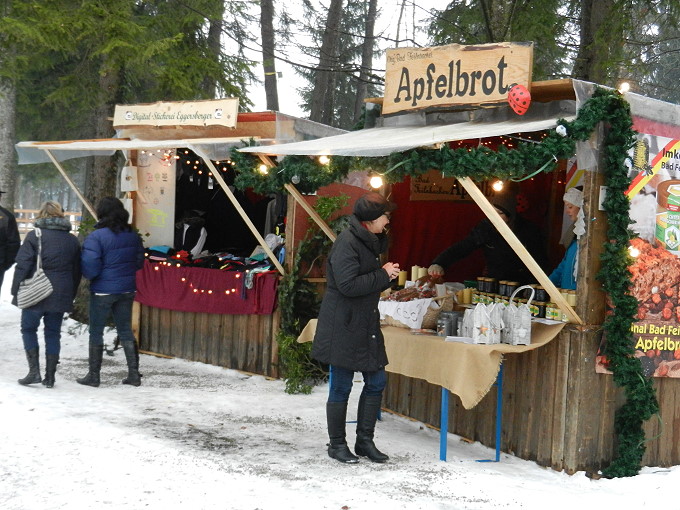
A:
(432, 186)
(218, 112)
(418, 78)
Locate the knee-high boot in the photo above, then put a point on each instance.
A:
(51, 361)
(369, 406)
(336, 415)
(33, 376)
(95, 366)
(132, 358)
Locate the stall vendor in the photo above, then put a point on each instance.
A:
(564, 275)
(501, 261)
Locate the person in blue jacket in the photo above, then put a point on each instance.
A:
(564, 275)
(111, 256)
(59, 252)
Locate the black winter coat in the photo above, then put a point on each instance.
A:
(60, 261)
(348, 331)
(501, 260)
(9, 239)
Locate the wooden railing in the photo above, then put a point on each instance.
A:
(26, 219)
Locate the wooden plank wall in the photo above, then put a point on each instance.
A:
(556, 410)
(241, 342)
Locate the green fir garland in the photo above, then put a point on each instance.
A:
(483, 163)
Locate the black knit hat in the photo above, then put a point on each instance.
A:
(371, 206)
(506, 200)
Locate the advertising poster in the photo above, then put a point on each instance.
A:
(155, 199)
(654, 196)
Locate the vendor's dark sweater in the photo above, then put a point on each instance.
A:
(501, 261)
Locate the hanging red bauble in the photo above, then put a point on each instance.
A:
(519, 99)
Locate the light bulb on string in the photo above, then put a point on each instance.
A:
(497, 186)
(324, 160)
(624, 87)
(376, 181)
(263, 169)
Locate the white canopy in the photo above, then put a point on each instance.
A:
(34, 152)
(382, 141)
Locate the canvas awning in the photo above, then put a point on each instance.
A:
(36, 152)
(382, 141)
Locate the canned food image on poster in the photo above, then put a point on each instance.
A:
(668, 216)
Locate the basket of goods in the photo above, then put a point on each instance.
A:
(415, 307)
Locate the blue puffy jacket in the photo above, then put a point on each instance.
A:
(111, 259)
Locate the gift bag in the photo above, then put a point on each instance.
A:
(465, 325)
(517, 320)
(33, 290)
(483, 328)
(496, 320)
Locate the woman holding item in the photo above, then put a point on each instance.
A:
(348, 336)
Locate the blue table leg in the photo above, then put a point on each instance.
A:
(444, 424)
(499, 414)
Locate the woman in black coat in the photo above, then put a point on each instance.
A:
(61, 263)
(348, 336)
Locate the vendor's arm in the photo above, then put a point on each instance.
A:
(462, 248)
(346, 269)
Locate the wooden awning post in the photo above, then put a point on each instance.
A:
(519, 248)
(239, 209)
(82, 198)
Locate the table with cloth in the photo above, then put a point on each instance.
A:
(468, 370)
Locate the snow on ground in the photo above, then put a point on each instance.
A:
(196, 436)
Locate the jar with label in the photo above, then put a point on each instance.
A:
(571, 298)
(541, 293)
(501, 287)
(667, 231)
(481, 284)
(443, 326)
(551, 311)
(492, 285)
(510, 287)
(540, 308)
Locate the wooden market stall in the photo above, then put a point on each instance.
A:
(559, 402)
(177, 159)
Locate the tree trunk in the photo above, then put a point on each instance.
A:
(268, 49)
(322, 102)
(214, 47)
(7, 126)
(367, 49)
(600, 39)
(7, 139)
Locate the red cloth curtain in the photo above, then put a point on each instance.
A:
(196, 289)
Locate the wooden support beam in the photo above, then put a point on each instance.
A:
(519, 248)
(240, 210)
(82, 198)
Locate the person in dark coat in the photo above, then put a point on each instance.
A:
(60, 260)
(9, 240)
(501, 261)
(348, 336)
(111, 257)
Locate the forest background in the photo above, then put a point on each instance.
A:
(65, 64)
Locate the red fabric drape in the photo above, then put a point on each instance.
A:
(196, 289)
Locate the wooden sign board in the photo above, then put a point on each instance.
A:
(432, 186)
(218, 112)
(418, 78)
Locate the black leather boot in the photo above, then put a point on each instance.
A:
(51, 361)
(95, 361)
(33, 375)
(369, 407)
(336, 415)
(132, 358)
